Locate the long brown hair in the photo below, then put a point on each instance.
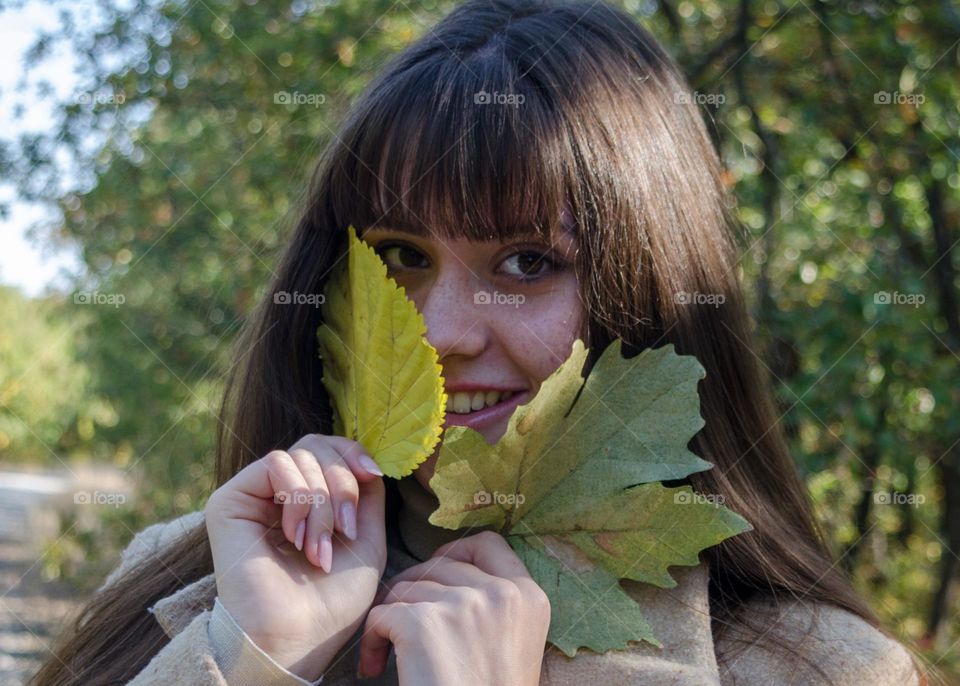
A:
(501, 116)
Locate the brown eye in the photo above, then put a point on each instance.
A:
(526, 265)
(399, 256)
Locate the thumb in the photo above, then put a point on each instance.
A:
(370, 513)
(379, 632)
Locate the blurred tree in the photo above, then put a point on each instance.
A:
(45, 409)
(837, 119)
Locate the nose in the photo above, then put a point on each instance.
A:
(455, 325)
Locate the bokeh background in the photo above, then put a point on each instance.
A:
(167, 165)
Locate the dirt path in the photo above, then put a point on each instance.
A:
(32, 612)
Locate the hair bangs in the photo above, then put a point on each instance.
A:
(459, 151)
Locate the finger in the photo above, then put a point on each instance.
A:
(371, 525)
(382, 628)
(490, 552)
(356, 457)
(317, 544)
(340, 480)
(274, 478)
(441, 570)
(424, 591)
(275, 537)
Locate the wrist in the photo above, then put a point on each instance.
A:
(310, 662)
(243, 662)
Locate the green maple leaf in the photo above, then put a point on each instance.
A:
(573, 485)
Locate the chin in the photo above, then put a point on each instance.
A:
(494, 432)
(424, 471)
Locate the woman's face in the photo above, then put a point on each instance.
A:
(502, 317)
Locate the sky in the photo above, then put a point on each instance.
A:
(35, 267)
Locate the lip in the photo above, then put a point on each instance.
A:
(488, 415)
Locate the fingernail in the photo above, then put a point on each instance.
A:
(325, 551)
(348, 520)
(298, 537)
(368, 464)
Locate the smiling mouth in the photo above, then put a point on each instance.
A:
(464, 403)
(504, 406)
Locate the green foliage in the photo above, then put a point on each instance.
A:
(845, 194)
(582, 507)
(45, 405)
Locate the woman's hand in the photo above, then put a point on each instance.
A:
(470, 615)
(297, 591)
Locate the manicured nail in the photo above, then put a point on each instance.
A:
(368, 464)
(348, 520)
(325, 551)
(298, 537)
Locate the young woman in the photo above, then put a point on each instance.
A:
(542, 154)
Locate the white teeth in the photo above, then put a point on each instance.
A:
(464, 403)
(461, 403)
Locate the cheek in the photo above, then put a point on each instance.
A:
(536, 337)
(541, 336)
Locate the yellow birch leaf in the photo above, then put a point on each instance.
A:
(383, 377)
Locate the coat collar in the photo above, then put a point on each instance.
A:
(174, 612)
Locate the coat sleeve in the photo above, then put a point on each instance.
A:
(212, 650)
(680, 617)
(241, 660)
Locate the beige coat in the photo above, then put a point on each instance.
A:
(208, 649)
